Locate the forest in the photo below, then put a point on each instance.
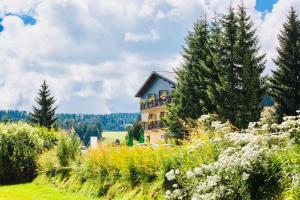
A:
(84, 125)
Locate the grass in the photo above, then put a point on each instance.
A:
(32, 191)
(111, 136)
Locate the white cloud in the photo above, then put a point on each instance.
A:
(134, 37)
(95, 53)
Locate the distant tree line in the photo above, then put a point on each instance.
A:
(85, 125)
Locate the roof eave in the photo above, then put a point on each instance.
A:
(138, 94)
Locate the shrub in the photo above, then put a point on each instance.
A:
(248, 165)
(20, 145)
(68, 148)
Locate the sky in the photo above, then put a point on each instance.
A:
(95, 54)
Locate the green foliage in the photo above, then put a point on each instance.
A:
(285, 81)
(260, 162)
(110, 172)
(240, 91)
(189, 97)
(68, 149)
(136, 127)
(20, 145)
(45, 114)
(216, 162)
(221, 73)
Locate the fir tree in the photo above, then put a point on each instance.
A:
(44, 115)
(215, 69)
(285, 82)
(250, 65)
(241, 86)
(225, 98)
(190, 99)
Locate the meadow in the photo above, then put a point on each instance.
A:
(112, 136)
(32, 191)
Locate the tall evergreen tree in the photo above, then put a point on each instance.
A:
(44, 115)
(190, 99)
(285, 82)
(225, 98)
(215, 69)
(250, 65)
(241, 85)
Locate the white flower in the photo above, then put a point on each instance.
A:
(174, 185)
(265, 127)
(177, 193)
(189, 174)
(170, 175)
(177, 171)
(197, 170)
(213, 180)
(196, 196)
(168, 192)
(245, 176)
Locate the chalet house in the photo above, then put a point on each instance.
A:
(154, 95)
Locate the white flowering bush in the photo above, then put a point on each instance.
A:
(247, 165)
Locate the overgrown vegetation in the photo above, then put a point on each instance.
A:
(217, 161)
(260, 162)
(20, 145)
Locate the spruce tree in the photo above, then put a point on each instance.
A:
(250, 65)
(190, 98)
(44, 114)
(215, 69)
(226, 98)
(285, 81)
(241, 88)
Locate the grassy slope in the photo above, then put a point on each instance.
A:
(31, 191)
(110, 136)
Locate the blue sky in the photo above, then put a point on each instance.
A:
(95, 54)
(265, 5)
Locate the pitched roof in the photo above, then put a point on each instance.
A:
(167, 76)
(171, 76)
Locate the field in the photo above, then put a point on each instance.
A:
(31, 191)
(111, 136)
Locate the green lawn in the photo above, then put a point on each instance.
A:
(111, 136)
(31, 191)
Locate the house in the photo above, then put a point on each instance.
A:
(154, 95)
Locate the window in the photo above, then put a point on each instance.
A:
(162, 137)
(163, 94)
(151, 97)
(151, 117)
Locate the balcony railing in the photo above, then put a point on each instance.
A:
(155, 103)
(153, 125)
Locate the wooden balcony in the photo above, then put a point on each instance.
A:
(153, 125)
(155, 103)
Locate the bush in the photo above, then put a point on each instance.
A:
(20, 145)
(68, 148)
(251, 164)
